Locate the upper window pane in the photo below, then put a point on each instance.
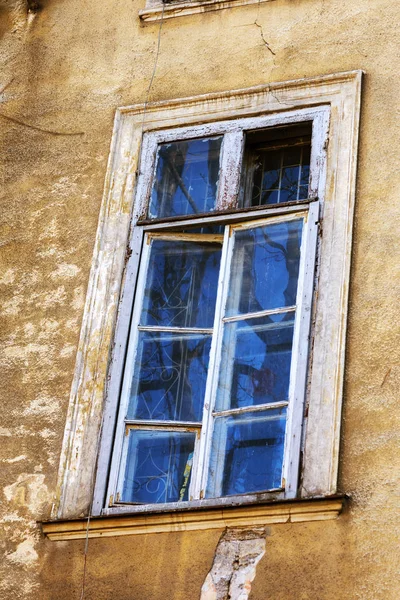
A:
(186, 178)
(265, 268)
(181, 284)
(276, 166)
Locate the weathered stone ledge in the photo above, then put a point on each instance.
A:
(293, 511)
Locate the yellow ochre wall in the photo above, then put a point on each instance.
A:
(64, 70)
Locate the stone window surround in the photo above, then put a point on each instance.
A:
(157, 10)
(341, 92)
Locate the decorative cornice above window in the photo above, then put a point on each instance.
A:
(155, 10)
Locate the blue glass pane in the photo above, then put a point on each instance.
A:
(281, 175)
(289, 184)
(181, 284)
(255, 363)
(270, 196)
(186, 178)
(158, 467)
(271, 180)
(265, 268)
(169, 377)
(247, 453)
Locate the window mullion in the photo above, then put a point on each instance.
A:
(201, 462)
(230, 168)
(300, 352)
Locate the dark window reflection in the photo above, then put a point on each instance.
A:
(181, 284)
(265, 268)
(281, 175)
(158, 467)
(247, 453)
(255, 362)
(170, 375)
(186, 178)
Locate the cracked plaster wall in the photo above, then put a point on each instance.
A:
(64, 70)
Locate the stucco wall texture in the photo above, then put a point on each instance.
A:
(64, 70)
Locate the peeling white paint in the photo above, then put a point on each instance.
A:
(29, 329)
(51, 231)
(68, 351)
(25, 352)
(65, 271)
(43, 405)
(78, 301)
(7, 277)
(48, 299)
(5, 432)
(12, 517)
(12, 306)
(15, 459)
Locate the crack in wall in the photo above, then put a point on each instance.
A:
(234, 566)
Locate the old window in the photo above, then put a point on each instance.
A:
(213, 384)
(236, 371)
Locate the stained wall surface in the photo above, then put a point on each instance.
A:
(65, 67)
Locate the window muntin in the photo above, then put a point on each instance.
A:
(199, 460)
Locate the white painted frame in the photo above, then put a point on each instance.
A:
(336, 99)
(295, 403)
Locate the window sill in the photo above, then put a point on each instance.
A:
(198, 518)
(180, 9)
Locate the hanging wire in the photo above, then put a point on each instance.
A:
(148, 91)
(155, 65)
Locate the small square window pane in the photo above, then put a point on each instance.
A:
(265, 268)
(169, 377)
(271, 179)
(305, 175)
(274, 175)
(181, 284)
(303, 192)
(289, 184)
(269, 197)
(247, 453)
(186, 178)
(158, 466)
(255, 362)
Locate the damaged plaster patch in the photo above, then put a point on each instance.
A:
(234, 567)
(43, 405)
(7, 277)
(13, 460)
(65, 271)
(29, 491)
(25, 552)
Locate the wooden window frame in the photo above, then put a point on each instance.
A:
(308, 212)
(230, 174)
(332, 103)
